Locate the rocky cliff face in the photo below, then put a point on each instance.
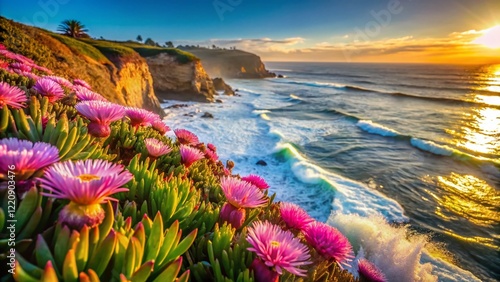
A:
(135, 84)
(231, 63)
(121, 79)
(173, 80)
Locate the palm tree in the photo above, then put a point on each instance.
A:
(73, 28)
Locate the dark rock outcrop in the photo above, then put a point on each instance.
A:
(220, 85)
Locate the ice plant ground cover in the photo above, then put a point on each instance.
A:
(99, 192)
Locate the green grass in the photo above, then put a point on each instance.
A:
(110, 48)
(82, 48)
(182, 57)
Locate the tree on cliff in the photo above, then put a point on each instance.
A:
(150, 41)
(169, 44)
(139, 38)
(73, 28)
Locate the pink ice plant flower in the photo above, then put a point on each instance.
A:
(370, 272)
(294, 216)
(186, 137)
(156, 148)
(24, 157)
(242, 194)
(61, 80)
(141, 117)
(48, 88)
(82, 83)
(11, 96)
(256, 180)
(329, 242)
(190, 155)
(84, 94)
(278, 248)
(20, 66)
(212, 147)
(101, 114)
(86, 184)
(211, 155)
(160, 126)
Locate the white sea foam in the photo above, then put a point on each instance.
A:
(401, 255)
(242, 135)
(432, 147)
(347, 192)
(375, 128)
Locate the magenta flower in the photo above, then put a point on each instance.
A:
(156, 148)
(262, 272)
(278, 248)
(20, 66)
(256, 180)
(329, 242)
(242, 194)
(212, 147)
(186, 137)
(141, 117)
(211, 155)
(84, 94)
(369, 272)
(233, 215)
(87, 184)
(25, 157)
(82, 83)
(160, 126)
(190, 155)
(101, 114)
(30, 75)
(42, 69)
(60, 80)
(294, 216)
(48, 88)
(11, 96)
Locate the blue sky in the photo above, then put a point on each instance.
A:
(289, 25)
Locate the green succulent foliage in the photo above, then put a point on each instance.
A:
(222, 256)
(33, 213)
(15, 79)
(204, 180)
(144, 253)
(69, 136)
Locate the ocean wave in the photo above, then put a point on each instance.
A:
(375, 128)
(424, 145)
(447, 100)
(400, 254)
(348, 193)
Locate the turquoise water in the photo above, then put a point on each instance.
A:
(402, 158)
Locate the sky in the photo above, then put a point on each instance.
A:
(425, 31)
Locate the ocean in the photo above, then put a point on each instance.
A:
(404, 159)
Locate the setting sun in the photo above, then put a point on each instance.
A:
(490, 38)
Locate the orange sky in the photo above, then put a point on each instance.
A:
(459, 47)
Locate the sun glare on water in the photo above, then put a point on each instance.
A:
(490, 38)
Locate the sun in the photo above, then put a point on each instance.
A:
(490, 38)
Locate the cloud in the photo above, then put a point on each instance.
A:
(251, 44)
(455, 47)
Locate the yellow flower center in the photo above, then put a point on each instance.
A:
(88, 177)
(275, 243)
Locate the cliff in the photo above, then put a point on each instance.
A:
(174, 80)
(127, 73)
(230, 63)
(120, 75)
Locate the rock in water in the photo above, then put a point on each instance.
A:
(207, 115)
(261, 162)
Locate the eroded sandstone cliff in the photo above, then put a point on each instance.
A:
(180, 81)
